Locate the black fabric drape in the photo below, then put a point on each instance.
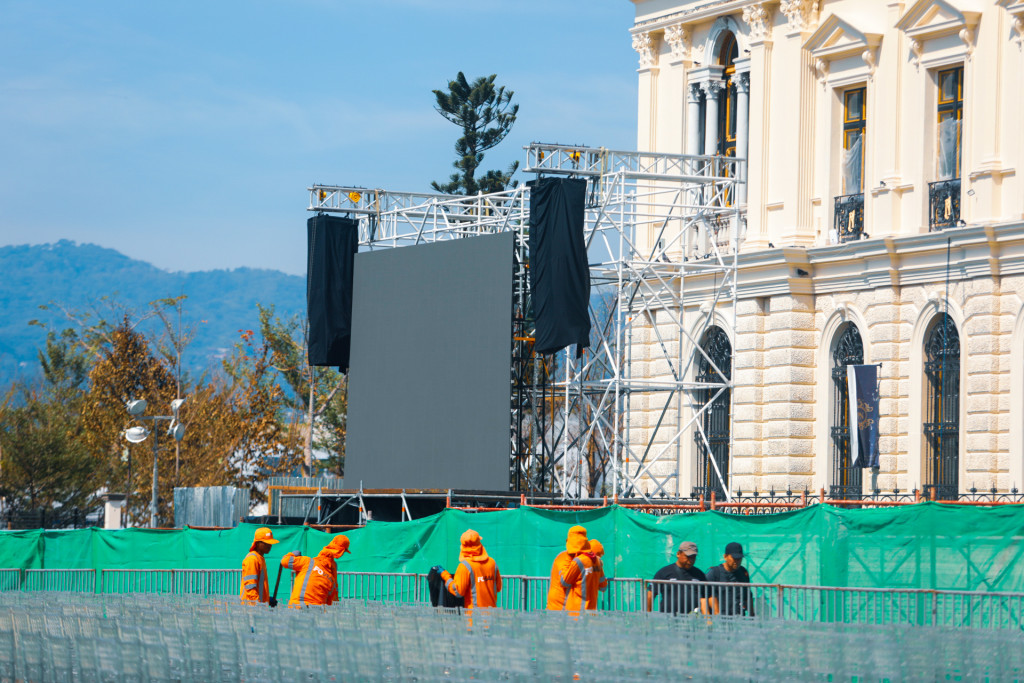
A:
(332, 242)
(559, 272)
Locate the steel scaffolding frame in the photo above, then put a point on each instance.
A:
(662, 230)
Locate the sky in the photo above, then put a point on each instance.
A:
(186, 133)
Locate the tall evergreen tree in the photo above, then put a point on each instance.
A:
(485, 113)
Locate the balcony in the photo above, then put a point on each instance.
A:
(943, 204)
(849, 217)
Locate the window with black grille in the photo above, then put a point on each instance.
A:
(942, 410)
(846, 479)
(712, 439)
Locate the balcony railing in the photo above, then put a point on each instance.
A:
(943, 204)
(849, 217)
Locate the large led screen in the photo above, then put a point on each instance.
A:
(429, 376)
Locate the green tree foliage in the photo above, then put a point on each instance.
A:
(318, 396)
(485, 114)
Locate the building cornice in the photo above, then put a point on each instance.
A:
(693, 15)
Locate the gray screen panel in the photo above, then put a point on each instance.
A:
(429, 378)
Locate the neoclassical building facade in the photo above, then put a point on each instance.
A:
(882, 223)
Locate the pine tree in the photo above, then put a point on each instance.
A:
(485, 114)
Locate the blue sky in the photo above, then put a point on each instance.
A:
(185, 133)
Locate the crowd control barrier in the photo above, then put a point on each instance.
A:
(822, 604)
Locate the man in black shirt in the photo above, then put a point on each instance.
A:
(685, 596)
(731, 600)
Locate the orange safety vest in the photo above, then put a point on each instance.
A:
(254, 578)
(596, 582)
(477, 583)
(568, 589)
(315, 581)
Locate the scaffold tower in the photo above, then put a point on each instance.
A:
(663, 234)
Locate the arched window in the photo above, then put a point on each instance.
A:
(727, 54)
(942, 410)
(846, 479)
(712, 436)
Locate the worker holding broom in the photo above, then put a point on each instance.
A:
(315, 580)
(254, 569)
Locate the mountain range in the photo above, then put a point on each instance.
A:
(219, 303)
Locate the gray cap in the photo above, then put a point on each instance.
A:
(688, 548)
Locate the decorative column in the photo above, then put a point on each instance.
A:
(693, 119)
(646, 46)
(711, 91)
(742, 128)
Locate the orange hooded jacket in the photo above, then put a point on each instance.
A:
(596, 580)
(569, 571)
(477, 580)
(316, 578)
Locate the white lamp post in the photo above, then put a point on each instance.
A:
(138, 434)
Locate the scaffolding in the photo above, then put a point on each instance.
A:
(663, 234)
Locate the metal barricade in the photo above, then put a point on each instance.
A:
(391, 587)
(136, 581)
(525, 593)
(60, 580)
(208, 582)
(622, 595)
(10, 580)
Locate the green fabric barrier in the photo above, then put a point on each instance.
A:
(929, 545)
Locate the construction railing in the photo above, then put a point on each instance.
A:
(916, 607)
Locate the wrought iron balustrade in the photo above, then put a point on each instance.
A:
(943, 204)
(849, 217)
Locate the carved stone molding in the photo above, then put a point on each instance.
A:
(821, 67)
(1018, 28)
(743, 82)
(694, 92)
(712, 88)
(800, 14)
(967, 36)
(870, 58)
(643, 43)
(916, 49)
(678, 39)
(757, 18)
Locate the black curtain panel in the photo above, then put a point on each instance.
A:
(559, 273)
(332, 243)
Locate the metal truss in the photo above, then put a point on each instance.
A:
(662, 233)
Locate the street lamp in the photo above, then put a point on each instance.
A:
(139, 433)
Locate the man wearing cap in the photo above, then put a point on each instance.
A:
(569, 572)
(254, 569)
(730, 600)
(477, 580)
(596, 580)
(315, 581)
(687, 595)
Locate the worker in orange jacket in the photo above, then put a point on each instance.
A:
(477, 580)
(596, 580)
(569, 571)
(315, 579)
(254, 569)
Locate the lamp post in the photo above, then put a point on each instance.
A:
(138, 434)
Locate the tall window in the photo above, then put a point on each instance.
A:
(944, 193)
(854, 124)
(714, 422)
(942, 410)
(950, 118)
(727, 112)
(846, 479)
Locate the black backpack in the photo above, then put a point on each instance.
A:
(439, 595)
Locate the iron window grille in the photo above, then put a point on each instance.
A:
(849, 217)
(715, 418)
(942, 426)
(846, 479)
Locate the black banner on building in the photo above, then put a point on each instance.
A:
(862, 381)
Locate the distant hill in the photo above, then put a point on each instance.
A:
(219, 303)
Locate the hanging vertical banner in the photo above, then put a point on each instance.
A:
(333, 242)
(559, 272)
(862, 383)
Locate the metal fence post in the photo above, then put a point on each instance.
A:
(97, 579)
(935, 607)
(778, 606)
(525, 590)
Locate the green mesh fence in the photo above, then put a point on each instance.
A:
(930, 545)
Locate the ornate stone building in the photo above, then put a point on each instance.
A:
(883, 222)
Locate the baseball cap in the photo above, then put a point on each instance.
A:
(688, 548)
(263, 535)
(734, 549)
(337, 547)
